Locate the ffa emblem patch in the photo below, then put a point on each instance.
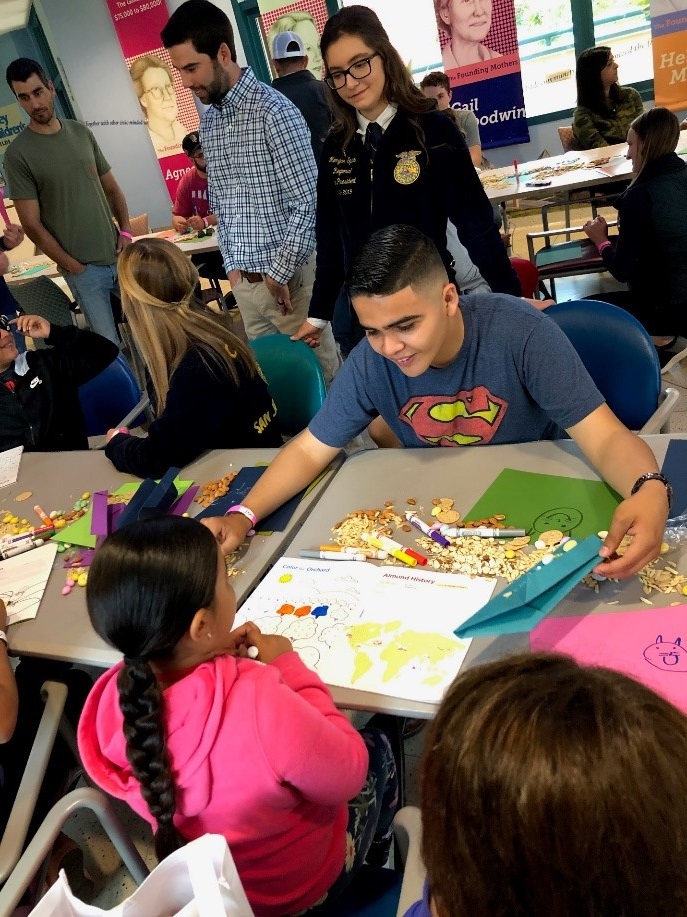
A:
(407, 168)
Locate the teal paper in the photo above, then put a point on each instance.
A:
(524, 602)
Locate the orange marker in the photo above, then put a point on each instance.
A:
(43, 516)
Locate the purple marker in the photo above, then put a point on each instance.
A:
(415, 520)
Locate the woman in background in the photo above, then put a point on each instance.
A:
(651, 252)
(208, 390)
(604, 110)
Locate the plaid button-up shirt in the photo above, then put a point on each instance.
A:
(261, 179)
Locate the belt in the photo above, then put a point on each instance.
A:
(251, 276)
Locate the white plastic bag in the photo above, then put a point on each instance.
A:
(198, 880)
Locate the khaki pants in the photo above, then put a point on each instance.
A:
(261, 314)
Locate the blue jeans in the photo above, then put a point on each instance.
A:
(370, 817)
(91, 289)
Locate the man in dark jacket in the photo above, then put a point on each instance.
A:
(39, 399)
(311, 97)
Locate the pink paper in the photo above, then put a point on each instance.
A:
(650, 646)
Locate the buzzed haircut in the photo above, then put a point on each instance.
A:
(392, 259)
(436, 78)
(21, 69)
(202, 23)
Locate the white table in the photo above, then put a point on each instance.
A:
(61, 629)
(503, 185)
(369, 479)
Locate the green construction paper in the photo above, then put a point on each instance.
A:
(542, 502)
(79, 532)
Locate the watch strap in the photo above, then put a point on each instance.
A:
(653, 476)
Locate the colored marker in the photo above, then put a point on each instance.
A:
(332, 555)
(43, 516)
(389, 542)
(483, 533)
(253, 652)
(415, 521)
(370, 553)
(393, 547)
(14, 549)
(45, 532)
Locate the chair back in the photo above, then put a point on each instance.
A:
(139, 225)
(568, 139)
(40, 296)
(618, 353)
(294, 377)
(108, 397)
(528, 275)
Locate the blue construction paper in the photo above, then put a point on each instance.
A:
(675, 469)
(151, 499)
(523, 603)
(240, 486)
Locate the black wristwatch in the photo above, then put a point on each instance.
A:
(654, 476)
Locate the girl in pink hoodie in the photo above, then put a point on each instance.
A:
(198, 738)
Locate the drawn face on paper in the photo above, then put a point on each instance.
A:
(565, 519)
(667, 656)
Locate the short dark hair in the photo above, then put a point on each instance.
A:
(550, 787)
(22, 68)
(392, 259)
(436, 78)
(202, 23)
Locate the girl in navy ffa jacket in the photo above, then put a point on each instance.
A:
(208, 390)
(391, 158)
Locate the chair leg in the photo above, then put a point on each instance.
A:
(30, 861)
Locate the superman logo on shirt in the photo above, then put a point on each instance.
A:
(466, 419)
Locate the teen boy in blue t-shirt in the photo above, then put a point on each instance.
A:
(433, 371)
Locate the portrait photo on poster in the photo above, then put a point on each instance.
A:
(474, 31)
(157, 95)
(306, 18)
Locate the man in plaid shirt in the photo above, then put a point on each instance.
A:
(261, 177)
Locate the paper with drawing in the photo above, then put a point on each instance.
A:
(387, 630)
(9, 465)
(650, 646)
(23, 580)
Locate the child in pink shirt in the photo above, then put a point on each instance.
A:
(198, 738)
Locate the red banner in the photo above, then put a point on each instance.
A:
(167, 109)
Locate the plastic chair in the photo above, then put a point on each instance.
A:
(19, 869)
(40, 296)
(567, 137)
(528, 275)
(140, 225)
(113, 399)
(621, 359)
(565, 259)
(294, 378)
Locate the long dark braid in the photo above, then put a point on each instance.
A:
(145, 585)
(140, 700)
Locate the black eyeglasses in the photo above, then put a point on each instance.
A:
(359, 70)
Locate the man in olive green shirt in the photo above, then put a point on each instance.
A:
(65, 196)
